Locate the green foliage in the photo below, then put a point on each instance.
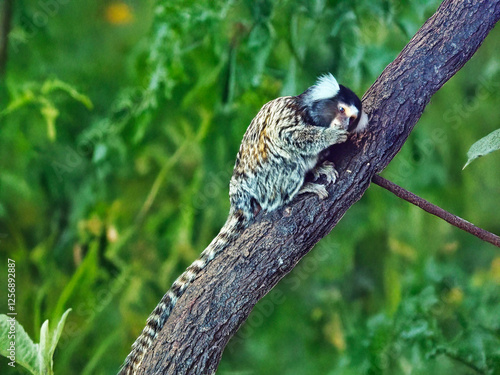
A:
(120, 122)
(36, 358)
(484, 146)
(40, 95)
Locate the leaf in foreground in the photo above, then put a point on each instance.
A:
(36, 358)
(484, 146)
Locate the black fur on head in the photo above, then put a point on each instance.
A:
(348, 97)
(328, 100)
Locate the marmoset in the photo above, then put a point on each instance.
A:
(280, 147)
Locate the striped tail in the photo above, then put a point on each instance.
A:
(235, 224)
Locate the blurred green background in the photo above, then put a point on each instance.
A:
(119, 125)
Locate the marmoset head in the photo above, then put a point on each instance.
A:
(331, 104)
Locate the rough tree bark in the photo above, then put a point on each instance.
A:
(220, 300)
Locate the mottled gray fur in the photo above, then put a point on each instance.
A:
(279, 148)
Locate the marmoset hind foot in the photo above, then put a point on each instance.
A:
(280, 147)
(326, 169)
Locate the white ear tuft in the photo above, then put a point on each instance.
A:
(326, 87)
(363, 122)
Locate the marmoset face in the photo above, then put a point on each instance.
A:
(333, 105)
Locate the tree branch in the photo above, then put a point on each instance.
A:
(223, 295)
(437, 211)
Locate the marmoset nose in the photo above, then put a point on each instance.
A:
(352, 119)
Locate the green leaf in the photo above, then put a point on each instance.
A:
(50, 114)
(484, 146)
(56, 334)
(26, 352)
(56, 84)
(36, 358)
(45, 360)
(27, 97)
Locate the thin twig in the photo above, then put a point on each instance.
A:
(437, 211)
